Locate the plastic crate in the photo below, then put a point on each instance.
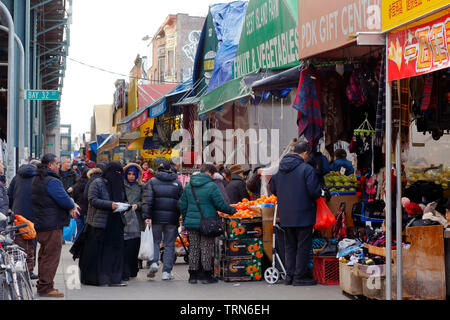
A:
(326, 270)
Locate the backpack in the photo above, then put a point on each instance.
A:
(31, 232)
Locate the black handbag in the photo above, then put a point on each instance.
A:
(209, 227)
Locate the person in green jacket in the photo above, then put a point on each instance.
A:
(201, 248)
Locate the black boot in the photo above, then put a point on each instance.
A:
(330, 250)
(193, 276)
(209, 278)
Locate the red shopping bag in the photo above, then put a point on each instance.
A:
(324, 217)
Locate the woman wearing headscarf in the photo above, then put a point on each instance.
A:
(132, 232)
(81, 200)
(101, 259)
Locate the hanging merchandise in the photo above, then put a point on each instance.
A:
(334, 121)
(307, 103)
(380, 122)
(354, 90)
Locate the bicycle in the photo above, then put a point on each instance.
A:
(15, 282)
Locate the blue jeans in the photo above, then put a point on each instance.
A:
(168, 234)
(80, 224)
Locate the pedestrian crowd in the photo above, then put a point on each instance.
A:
(49, 193)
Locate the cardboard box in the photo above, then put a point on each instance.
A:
(236, 270)
(373, 280)
(241, 229)
(349, 280)
(250, 248)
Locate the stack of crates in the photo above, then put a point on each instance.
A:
(238, 254)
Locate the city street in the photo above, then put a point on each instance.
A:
(179, 289)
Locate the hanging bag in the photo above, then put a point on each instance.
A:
(146, 250)
(340, 229)
(324, 217)
(209, 227)
(70, 231)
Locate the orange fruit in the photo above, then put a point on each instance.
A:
(245, 200)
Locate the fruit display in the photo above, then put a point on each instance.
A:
(249, 209)
(335, 181)
(438, 175)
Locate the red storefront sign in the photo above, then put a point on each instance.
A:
(419, 50)
(140, 120)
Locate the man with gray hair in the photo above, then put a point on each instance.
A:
(297, 187)
(67, 174)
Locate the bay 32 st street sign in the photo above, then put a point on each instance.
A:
(42, 95)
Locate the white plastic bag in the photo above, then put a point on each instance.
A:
(146, 249)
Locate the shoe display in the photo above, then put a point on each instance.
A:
(330, 250)
(153, 270)
(167, 276)
(53, 294)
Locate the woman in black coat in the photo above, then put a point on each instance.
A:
(81, 200)
(101, 258)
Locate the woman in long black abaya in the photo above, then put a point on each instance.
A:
(101, 258)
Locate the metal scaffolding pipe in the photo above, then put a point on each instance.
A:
(10, 147)
(388, 189)
(398, 167)
(21, 96)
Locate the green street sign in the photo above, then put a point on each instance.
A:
(42, 95)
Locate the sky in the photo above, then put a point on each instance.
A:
(108, 34)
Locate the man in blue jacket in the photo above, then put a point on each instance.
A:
(297, 187)
(51, 206)
(340, 161)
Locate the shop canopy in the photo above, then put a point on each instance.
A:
(158, 106)
(228, 19)
(104, 142)
(269, 38)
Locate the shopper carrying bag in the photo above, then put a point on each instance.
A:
(146, 250)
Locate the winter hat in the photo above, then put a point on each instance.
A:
(236, 168)
(405, 201)
(91, 164)
(413, 208)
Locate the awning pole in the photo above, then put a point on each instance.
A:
(11, 118)
(398, 166)
(388, 174)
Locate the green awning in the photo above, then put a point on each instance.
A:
(227, 92)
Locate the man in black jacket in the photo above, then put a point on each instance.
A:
(237, 188)
(297, 187)
(19, 192)
(161, 211)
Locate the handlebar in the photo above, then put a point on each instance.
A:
(13, 228)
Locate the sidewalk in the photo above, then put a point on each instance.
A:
(179, 289)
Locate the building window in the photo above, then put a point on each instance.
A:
(64, 130)
(171, 62)
(162, 69)
(65, 144)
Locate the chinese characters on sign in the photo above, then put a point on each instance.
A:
(137, 122)
(419, 50)
(399, 12)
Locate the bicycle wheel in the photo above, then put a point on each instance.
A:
(24, 284)
(4, 288)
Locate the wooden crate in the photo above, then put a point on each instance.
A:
(349, 280)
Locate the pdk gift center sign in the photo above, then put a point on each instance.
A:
(325, 25)
(419, 50)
